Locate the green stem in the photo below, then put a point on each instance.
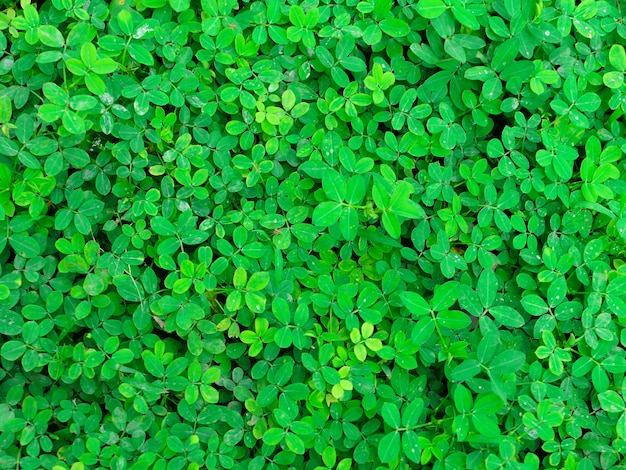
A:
(441, 337)
(123, 61)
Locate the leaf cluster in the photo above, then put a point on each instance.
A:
(316, 235)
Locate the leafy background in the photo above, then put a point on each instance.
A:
(312, 234)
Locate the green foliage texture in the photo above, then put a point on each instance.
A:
(312, 234)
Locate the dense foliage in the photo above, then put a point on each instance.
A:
(312, 235)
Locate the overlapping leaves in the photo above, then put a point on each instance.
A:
(282, 235)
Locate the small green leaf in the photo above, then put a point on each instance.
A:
(445, 296)
(349, 223)
(236, 127)
(611, 401)
(25, 246)
(5, 109)
(463, 399)
(334, 185)
(294, 443)
(240, 278)
(258, 281)
(613, 79)
(50, 36)
(415, 303)
(140, 54)
(73, 123)
(12, 350)
(430, 9)
(124, 20)
(128, 288)
(508, 316)
(394, 27)
(51, 112)
(391, 415)
(534, 305)
(163, 226)
(617, 57)
(327, 213)
(179, 5)
(273, 436)
(487, 287)
(389, 447)
(507, 362)
(465, 371)
(391, 224)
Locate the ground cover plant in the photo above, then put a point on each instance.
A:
(312, 234)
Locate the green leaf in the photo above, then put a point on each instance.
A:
(5, 109)
(140, 54)
(400, 195)
(349, 223)
(50, 36)
(465, 371)
(73, 123)
(273, 436)
(8, 147)
(124, 20)
(95, 84)
(283, 337)
(411, 446)
(463, 399)
(334, 185)
(236, 127)
(507, 362)
(329, 456)
(255, 302)
(430, 9)
(486, 425)
(240, 278)
(464, 16)
(454, 320)
(12, 350)
(25, 246)
(295, 443)
(487, 287)
(415, 303)
(534, 305)
(408, 210)
(258, 281)
(611, 401)
(181, 286)
(104, 66)
(288, 100)
(508, 316)
(617, 57)
(589, 102)
(381, 198)
(153, 365)
(391, 224)
(128, 288)
(50, 112)
(162, 226)
(391, 415)
(445, 296)
(179, 5)
(613, 79)
(88, 54)
(10, 322)
(487, 404)
(327, 213)
(394, 27)
(389, 447)
(422, 331)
